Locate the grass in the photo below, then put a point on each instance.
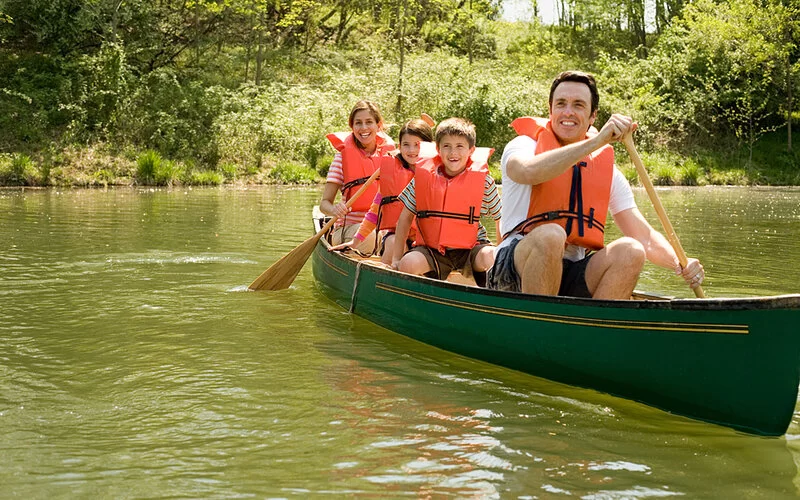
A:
(290, 173)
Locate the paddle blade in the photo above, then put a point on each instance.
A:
(281, 274)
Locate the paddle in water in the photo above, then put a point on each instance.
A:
(281, 274)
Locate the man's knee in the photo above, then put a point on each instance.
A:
(548, 238)
(632, 252)
(544, 241)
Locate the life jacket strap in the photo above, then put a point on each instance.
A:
(470, 218)
(385, 200)
(588, 220)
(354, 183)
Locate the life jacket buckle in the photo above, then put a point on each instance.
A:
(551, 215)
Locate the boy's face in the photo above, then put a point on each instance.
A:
(454, 151)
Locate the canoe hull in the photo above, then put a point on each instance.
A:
(734, 362)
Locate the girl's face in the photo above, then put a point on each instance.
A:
(365, 129)
(409, 148)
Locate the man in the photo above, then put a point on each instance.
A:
(559, 182)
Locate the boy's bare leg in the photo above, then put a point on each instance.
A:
(414, 263)
(484, 259)
(388, 247)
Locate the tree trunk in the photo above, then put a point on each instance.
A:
(399, 106)
(470, 33)
(260, 51)
(790, 106)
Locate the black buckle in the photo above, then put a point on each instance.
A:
(551, 215)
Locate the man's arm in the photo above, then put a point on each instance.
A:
(536, 169)
(658, 249)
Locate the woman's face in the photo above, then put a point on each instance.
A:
(365, 129)
(409, 148)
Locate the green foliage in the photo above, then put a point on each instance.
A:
(173, 117)
(228, 171)
(236, 86)
(630, 173)
(17, 170)
(203, 178)
(689, 173)
(496, 173)
(290, 173)
(147, 166)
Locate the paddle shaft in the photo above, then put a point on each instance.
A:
(627, 140)
(282, 273)
(349, 202)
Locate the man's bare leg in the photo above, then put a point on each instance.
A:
(537, 259)
(613, 272)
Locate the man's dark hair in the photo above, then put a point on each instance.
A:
(580, 77)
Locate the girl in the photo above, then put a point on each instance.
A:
(397, 170)
(359, 154)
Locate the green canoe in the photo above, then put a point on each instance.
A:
(734, 362)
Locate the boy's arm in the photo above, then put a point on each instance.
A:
(401, 235)
(492, 205)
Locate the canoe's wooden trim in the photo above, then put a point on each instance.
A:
(644, 301)
(331, 265)
(572, 320)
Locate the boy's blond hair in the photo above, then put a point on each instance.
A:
(458, 127)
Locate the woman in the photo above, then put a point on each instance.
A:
(397, 170)
(359, 154)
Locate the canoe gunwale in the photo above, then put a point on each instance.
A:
(786, 301)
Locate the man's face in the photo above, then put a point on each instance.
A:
(571, 112)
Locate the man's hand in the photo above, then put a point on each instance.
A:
(693, 274)
(616, 127)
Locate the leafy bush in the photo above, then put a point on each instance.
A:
(289, 173)
(203, 178)
(147, 165)
(664, 175)
(18, 170)
(689, 173)
(173, 116)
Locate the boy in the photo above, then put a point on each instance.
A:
(444, 196)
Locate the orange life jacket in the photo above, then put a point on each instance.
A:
(394, 178)
(449, 208)
(357, 166)
(577, 200)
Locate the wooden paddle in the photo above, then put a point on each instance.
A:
(282, 273)
(627, 140)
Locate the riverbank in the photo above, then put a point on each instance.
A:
(101, 166)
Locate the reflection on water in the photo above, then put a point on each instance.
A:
(134, 364)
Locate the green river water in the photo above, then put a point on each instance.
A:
(134, 364)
